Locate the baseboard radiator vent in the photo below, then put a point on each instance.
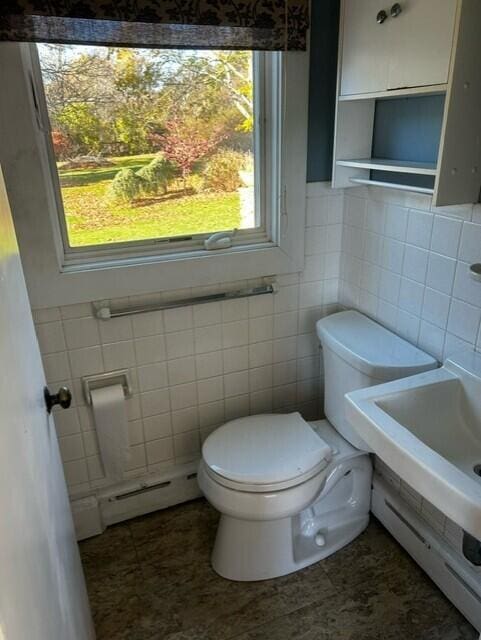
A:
(94, 513)
(446, 566)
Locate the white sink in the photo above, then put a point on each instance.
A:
(427, 428)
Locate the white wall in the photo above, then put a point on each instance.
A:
(195, 367)
(405, 264)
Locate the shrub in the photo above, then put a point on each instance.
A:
(125, 187)
(195, 183)
(184, 143)
(222, 172)
(155, 176)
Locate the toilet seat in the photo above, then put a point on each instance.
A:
(265, 453)
(265, 488)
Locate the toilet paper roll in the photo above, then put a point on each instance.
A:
(110, 415)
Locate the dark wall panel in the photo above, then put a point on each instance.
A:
(322, 88)
(408, 128)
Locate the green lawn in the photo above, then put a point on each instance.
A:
(93, 219)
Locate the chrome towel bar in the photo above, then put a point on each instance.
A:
(104, 312)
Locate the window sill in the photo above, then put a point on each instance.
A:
(82, 284)
(73, 266)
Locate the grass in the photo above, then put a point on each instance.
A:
(93, 219)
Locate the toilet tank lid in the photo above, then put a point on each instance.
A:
(371, 348)
(265, 449)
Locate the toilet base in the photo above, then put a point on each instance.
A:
(249, 550)
(259, 550)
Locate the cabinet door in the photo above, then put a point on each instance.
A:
(365, 48)
(422, 42)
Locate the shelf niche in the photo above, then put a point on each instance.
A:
(400, 135)
(407, 129)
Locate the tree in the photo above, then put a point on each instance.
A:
(82, 126)
(209, 83)
(76, 74)
(129, 95)
(61, 144)
(184, 144)
(136, 82)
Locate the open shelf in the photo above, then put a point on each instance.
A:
(395, 166)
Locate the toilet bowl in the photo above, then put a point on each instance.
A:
(290, 492)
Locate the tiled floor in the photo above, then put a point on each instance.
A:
(150, 579)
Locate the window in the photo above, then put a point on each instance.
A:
(154, 150)
(76, 245)
(151, 144)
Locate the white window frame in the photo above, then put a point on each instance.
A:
(57, 277)
(266, 70)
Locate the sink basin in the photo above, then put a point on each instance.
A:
(427, 428)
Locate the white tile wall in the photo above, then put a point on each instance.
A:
(194, 367)
(405, 263)
(387, 253)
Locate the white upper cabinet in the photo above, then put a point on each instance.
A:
(388, 45)
(413, 50)
(421, 43)
(365, 66)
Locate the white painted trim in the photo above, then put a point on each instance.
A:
(87, 518)
(458, 177)
(33, 204)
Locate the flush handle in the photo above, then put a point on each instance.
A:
(63, 397)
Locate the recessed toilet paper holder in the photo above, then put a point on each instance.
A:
(122, 376)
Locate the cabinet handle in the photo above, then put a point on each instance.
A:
(381, 17)
(396, 10)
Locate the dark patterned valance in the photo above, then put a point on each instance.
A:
(214, 24)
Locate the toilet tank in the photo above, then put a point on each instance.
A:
(359, 353)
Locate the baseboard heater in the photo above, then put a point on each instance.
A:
(94, 513)
(455, 576)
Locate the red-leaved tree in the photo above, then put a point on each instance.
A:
(61, 144)
(184, 144)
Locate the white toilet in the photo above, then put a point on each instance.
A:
(291, 492)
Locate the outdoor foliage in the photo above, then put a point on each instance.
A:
(184, 143)
(126, 186)
(129, 125)
(155, 176)
(61, 144)
(222, 172)
(195, 183)
(82, 127)
(118, 101)
(93, 217)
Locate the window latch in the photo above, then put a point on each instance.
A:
(221, 240)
